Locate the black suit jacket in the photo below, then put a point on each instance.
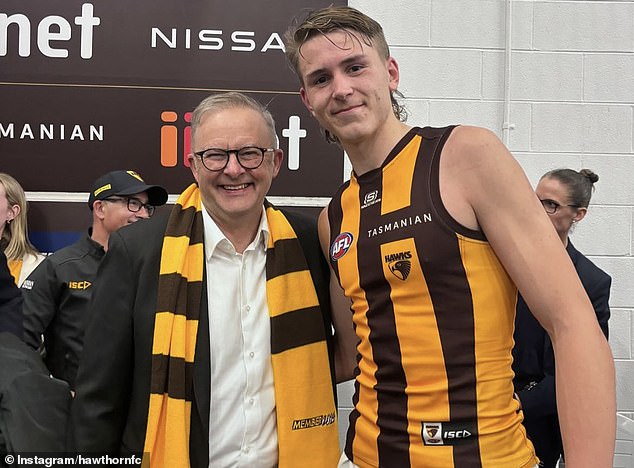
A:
(109, 413)
(10, 302)
(534, 361)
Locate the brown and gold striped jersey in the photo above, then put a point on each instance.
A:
(433, 309)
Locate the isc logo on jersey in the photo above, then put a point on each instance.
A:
(435, 434)
(340, 246)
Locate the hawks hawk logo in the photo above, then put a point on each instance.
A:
(399, 264)
(431, 433)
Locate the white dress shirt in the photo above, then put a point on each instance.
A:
(242, 422)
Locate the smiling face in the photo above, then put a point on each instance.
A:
(114, 212)
(234, 195)
(347, 85)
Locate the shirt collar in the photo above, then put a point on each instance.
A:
(214, 237)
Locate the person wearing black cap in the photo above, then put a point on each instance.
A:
(57, 293)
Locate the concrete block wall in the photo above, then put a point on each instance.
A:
(572, 105)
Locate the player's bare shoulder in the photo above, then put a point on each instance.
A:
(468, 147)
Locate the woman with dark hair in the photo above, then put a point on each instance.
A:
(22, 256)
(565, 195)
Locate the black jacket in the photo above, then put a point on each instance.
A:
(534, 361)
(10, 301)
(33, 406)
(56, 304)
(110, 410)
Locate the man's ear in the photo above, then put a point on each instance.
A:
(394, 73)
(302, 94)
(98, 208)
(278, 157)
(193, 166)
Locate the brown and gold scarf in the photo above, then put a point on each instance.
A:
(306, 415)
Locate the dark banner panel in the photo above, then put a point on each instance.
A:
(86, 88)
(61, 140)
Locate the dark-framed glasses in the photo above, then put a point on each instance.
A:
(134, 204)
(551, 206)
(216, 159)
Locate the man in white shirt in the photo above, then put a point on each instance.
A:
(208, 342)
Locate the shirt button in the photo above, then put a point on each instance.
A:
(251, 354)
(246, 449)
(251, 401)
(247, 308)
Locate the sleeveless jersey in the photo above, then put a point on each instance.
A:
(434, 310)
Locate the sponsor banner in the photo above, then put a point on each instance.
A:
(198, 43)
(88, 87)
(65, 139)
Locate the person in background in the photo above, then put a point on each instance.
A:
(10, 302)
(57, 293)
(565, 195)
(428, 241)
(21, 255)
(33, 406)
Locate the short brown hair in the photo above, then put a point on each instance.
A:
(326, 20)
(339, 18)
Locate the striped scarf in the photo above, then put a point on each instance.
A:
(306, 417)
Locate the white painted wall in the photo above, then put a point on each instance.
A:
(572, 105)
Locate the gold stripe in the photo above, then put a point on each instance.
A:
(278, 222)
(175, 344)
(299, 293)
(396, 192)
(190, 267)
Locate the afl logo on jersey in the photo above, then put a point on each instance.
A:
(340, 246)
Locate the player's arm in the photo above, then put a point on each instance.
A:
(345, 339)
(481, 175)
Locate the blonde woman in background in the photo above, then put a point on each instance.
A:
(22, 256)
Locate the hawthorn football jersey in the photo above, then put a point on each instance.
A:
(434, 311)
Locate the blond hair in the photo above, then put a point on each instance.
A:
(15, 234)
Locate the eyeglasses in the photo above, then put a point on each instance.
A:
(551, 206)
(134, 205)
(216, 159)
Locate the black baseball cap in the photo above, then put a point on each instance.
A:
(125, 183)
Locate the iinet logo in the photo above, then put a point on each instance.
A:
(51, 30)
(170, 139)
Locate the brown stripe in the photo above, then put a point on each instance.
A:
(393, 439)
(174, 372)
(187, 222)
(188, 305)
(453, 307)
(295, 329)
(286, 256)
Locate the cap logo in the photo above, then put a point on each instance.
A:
(101, 189)
(135, 175)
